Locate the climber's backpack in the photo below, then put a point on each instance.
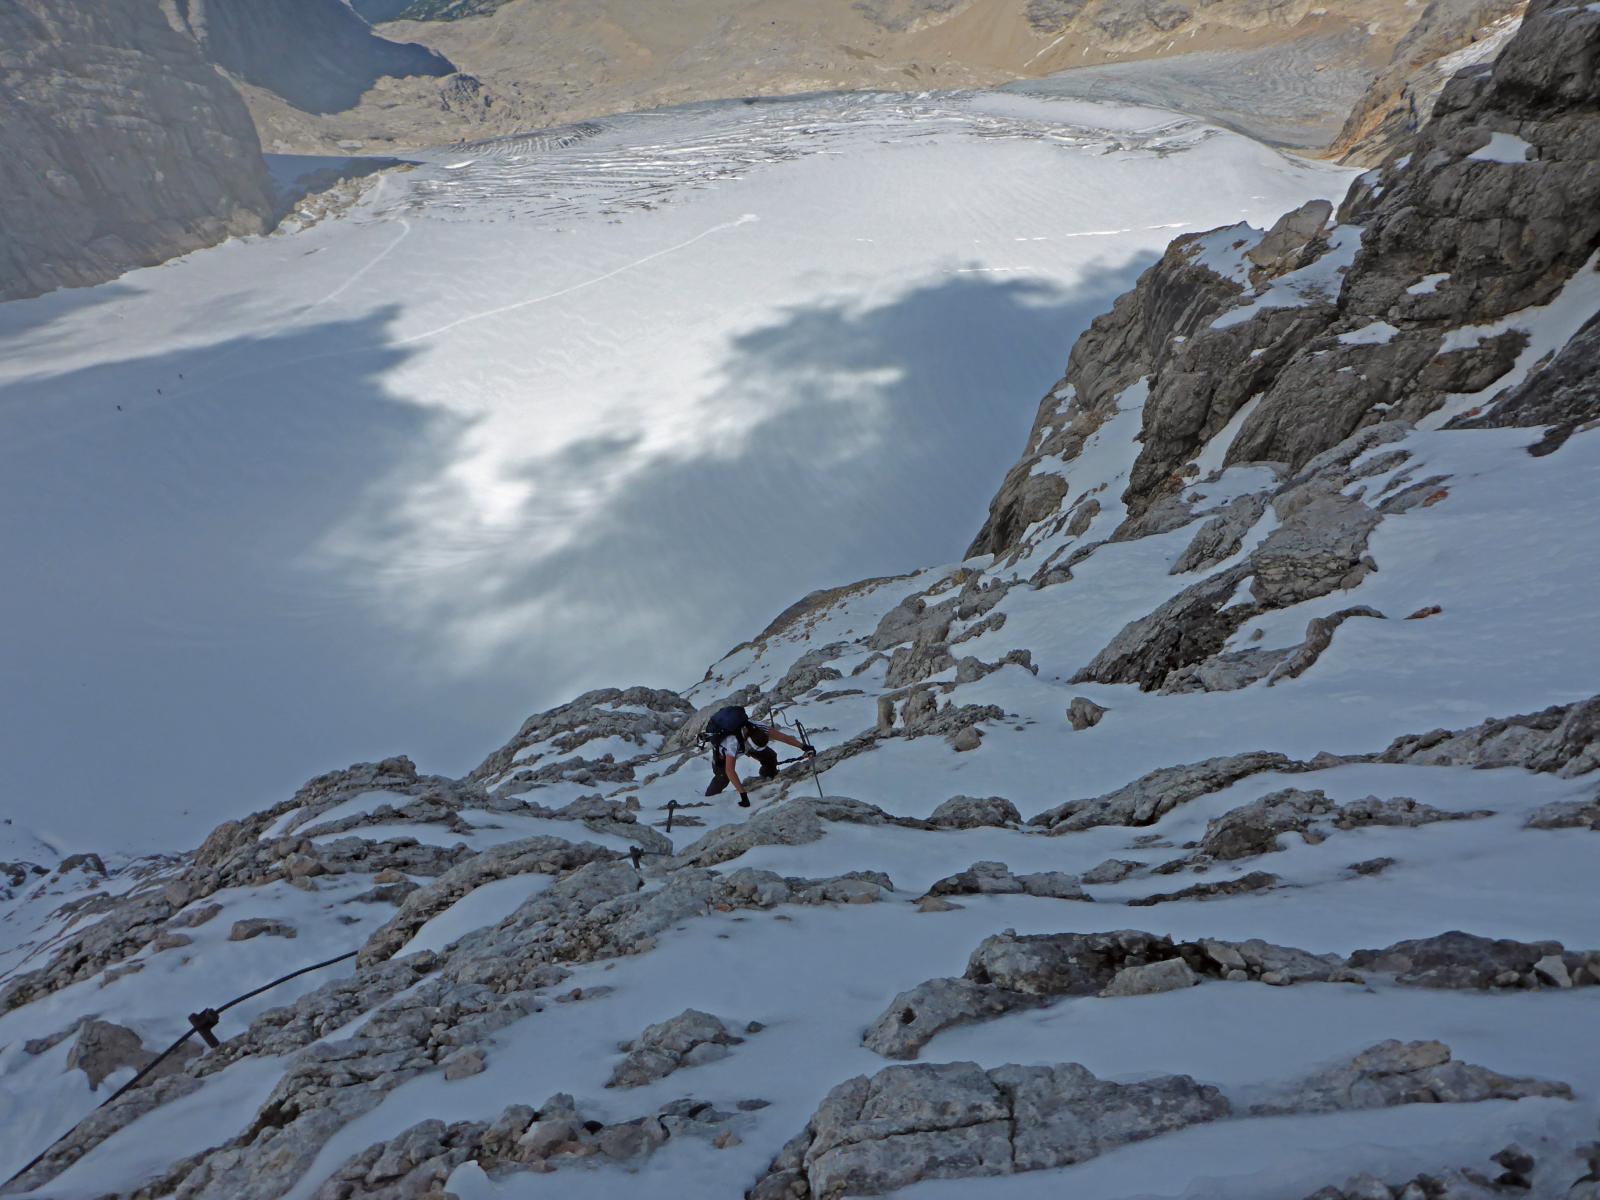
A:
(727, 722)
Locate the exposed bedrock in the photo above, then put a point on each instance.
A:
(121, 146)
(1008, 972)
(1381, 315)
(1150, 797)
(417, 1162)
(958, 1121)
(1563, 740)
(1449, 35)
(690, 1039)
(1174, 298)
(650, 718)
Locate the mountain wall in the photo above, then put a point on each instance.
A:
(1398, 306)
(1449, 36)
(317, 55)
(544, 62)
(120, 146)
(1311, 427)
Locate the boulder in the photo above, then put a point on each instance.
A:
(1463, 960)
(971, 812)
(956, 1121)
(1169, 975)
(914, 1017)
(252, 927)
(1393, 1073)
(1150, 797)
(1113, 870)
(1084, 713)
(691, 1038)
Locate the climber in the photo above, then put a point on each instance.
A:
(731, 733)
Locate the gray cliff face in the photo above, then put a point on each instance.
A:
(120, 146)
(316, 54)
(1449, 237)
(1449, 36)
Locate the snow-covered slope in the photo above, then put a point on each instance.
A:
(377, 485)
(1224, 825)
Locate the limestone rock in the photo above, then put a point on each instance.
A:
(346, 58)
(1168, 975)
(1318, 545)
(1393, 1073)
(1287, 245)
(1221, 536)
(1063, 1114)
(1113, 870)
(546, 855)
(465, 1063)
(1562, 395)
(1464, 960)
(688, 1039)
(1563, 739)
(968, 738)
(1084, 713)
(104, 1047)
(972, 812)
(995, 878)
(1150, 797)
(1567, 814)
(1255, 881)
(957, 1121)
(1189, 627)
(252, 927)
(121, 147)
(796, 822)
(915, 1016)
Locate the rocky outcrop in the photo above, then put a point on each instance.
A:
(1150, 797)
(121, 146)
(793, 823)
(1393, 1073)
(1255, 828)
(653, 719)
(1513, 1174)
(1449, 36)
(996, 879)
(1563, 395)
(103, 1047)
(1174, 299)
(1384, 315)
(1563, 740)
(418, 1161)
(1254, 881)
(544, 855)
(1008, 972)
(690, 1039)
(1464, 960)
(958, 1121)
(973, 812)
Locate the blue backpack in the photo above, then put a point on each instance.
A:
(727, 722)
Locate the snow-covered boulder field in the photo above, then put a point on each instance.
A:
(1224, 824)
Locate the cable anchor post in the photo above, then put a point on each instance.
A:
(204, 1023)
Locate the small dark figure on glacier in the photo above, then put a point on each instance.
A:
(731, 733)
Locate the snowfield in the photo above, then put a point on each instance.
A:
(455, 455)
(1161, 787)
